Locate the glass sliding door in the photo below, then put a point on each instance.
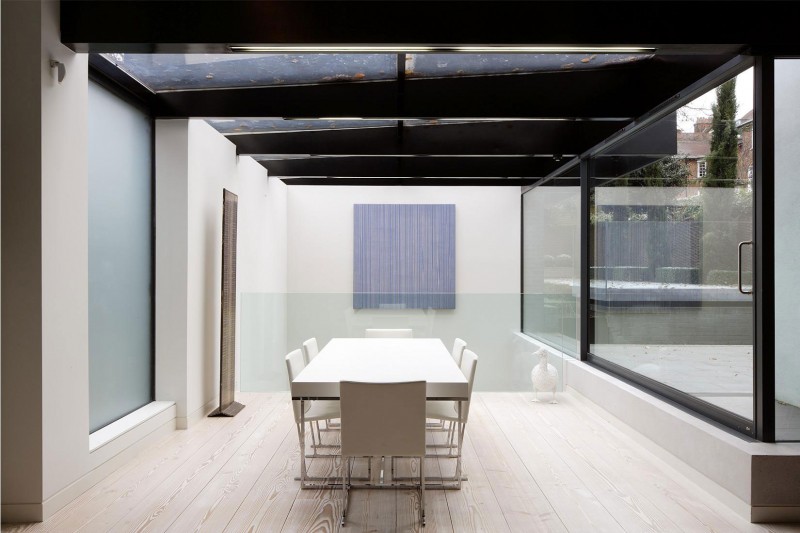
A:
(787, 249)
(551, 263)
(120, 258)
(671, 229)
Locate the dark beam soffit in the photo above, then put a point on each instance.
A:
(413, 167)
(480, 138)
(623, 92)
(413, 182)
(212, 25)
(527, 168)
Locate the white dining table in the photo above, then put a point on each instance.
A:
(381, 360)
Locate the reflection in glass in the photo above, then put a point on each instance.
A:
(551, 262)
(668, 211)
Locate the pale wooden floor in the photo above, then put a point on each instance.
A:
(532, 467)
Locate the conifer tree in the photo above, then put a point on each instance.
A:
(721, 170)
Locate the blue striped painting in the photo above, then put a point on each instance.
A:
(404, 256)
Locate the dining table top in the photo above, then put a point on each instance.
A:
(381, 360)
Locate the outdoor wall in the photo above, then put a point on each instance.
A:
(320, 281)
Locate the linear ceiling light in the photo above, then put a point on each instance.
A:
(467, 49)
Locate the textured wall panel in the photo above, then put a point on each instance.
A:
(404, 256)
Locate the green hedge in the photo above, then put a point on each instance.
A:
(678, 275)
(728, 277)
(621, 273)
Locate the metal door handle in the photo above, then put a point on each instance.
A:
(739, 266)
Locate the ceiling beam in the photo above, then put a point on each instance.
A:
(622, 92)
(211, 25)
(478, 138)
(413, 167)
(408, 182)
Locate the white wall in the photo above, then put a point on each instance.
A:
(21, 254)
(321, 231)
(193, 165)
(47, 247)
(46, 460)
(487, 276)
(787, 228)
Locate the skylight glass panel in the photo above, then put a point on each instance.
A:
(267, 125)
(174, 72)
(448, 65)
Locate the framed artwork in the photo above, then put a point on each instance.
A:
(404, 256)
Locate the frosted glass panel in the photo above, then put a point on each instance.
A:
(120, 273)
(272, 324)
(551, 261)
(787, 250)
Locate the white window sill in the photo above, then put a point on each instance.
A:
(104, 435)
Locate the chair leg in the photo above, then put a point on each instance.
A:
(422, 491)
(345, 463)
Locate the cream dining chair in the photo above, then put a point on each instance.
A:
(368, 431)
(458, 350)
(372, 333)
(310, 349)
(448, 411)
(314, 410)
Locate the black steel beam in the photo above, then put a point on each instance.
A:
(415, 167)
(623, 92)
(211, 25)
(412, 182)
(478, 138)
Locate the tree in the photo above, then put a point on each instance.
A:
(721, 171)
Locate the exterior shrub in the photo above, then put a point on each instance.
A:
(678, 275)
(728, 277)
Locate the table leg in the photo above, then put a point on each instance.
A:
(302, 443)
(460, 438)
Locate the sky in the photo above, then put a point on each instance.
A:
(702, 106)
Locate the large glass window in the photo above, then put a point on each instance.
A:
(671, 225)
(551, 263)
(787, 250)
(120, 258)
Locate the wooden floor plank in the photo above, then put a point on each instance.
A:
(271, 497)
(475, 506)
(153, 463)
(214, 506)
(524, 506)
(689, 505)
(578, 507)
(531, 467)
(633, 512)
(160, 503)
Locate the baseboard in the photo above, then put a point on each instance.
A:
(774, 514)
(141, 437)
(22, 512)
(196, 415)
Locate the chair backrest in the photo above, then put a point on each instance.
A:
(294, 365)
(469, 362)
(372, 333)
(458, 350)
(383, 418)
(310, 349)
